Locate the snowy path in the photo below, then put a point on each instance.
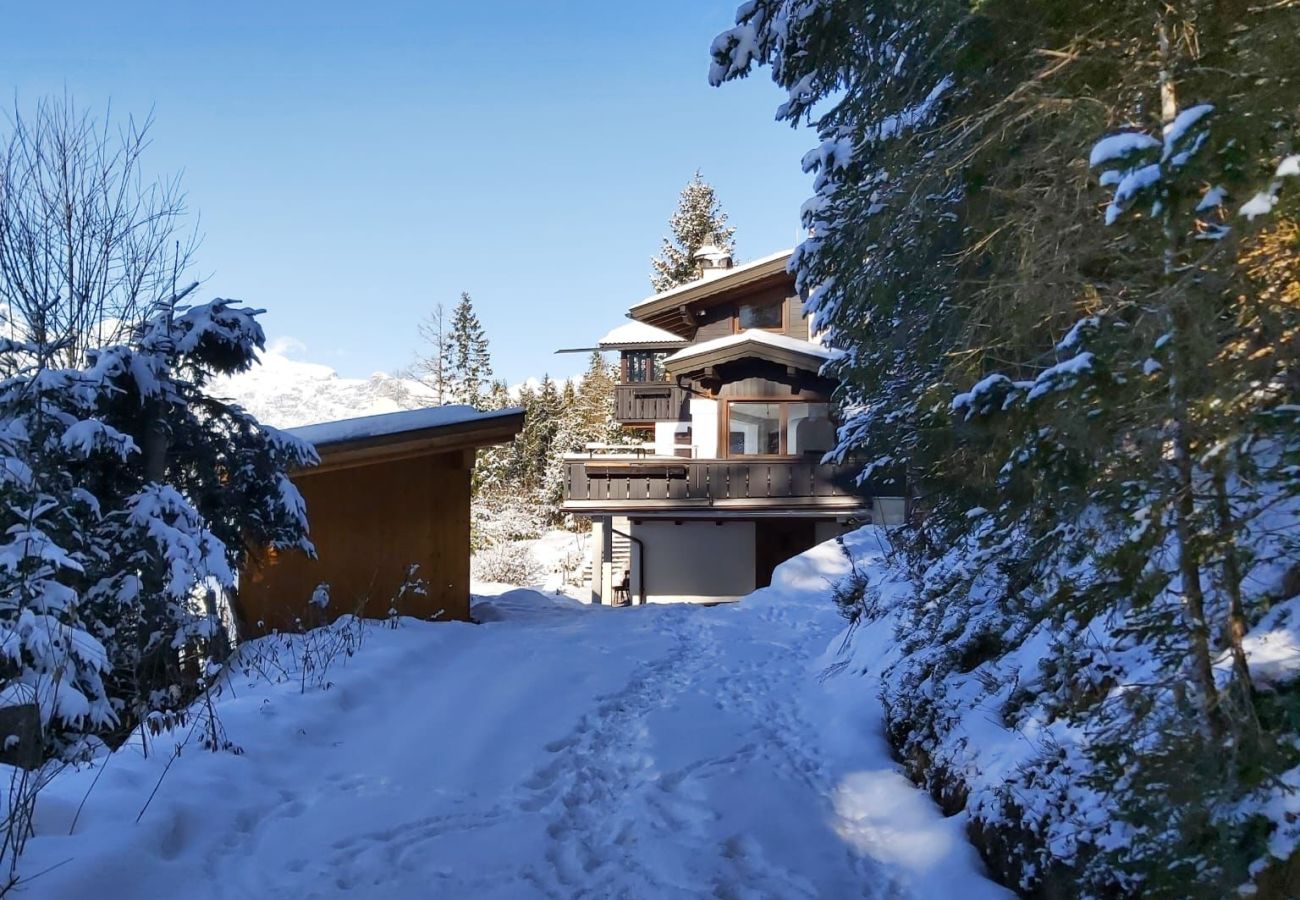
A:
(555, 751)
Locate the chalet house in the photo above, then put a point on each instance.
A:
(391, 491)
(720, 380)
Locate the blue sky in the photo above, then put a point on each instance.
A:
(355, 163)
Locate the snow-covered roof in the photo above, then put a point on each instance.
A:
(715, 283)
(755, 336)
(395, 423)
(638, 333)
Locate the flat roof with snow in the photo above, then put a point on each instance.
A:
(410, 432)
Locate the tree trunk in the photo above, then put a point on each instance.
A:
(1184, 476)
(1226, 536)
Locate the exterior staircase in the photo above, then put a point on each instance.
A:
(621, 556)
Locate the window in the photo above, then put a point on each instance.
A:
(778, 428)
(768, 316)
(753, 429)
(644, 366)
(809, 429)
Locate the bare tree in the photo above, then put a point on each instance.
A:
(434, 366)
(88, 244)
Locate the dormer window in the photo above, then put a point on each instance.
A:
(766, 316)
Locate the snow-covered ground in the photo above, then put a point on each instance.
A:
(556, 750)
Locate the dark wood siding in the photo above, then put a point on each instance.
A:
(715, 323)
(763, 380)
(795, 323)
(654, 402)
(661, 484)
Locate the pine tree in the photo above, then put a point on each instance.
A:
(1092, 415)
(104, 550)
(698, 220)
(594, 402)
(471, 365)
(436, 367)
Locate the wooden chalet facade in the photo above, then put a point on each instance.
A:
(720, 380)
(391, 491)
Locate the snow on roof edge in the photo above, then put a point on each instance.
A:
(718, 280)
(783, 341)
(635, 332)
(384, 424)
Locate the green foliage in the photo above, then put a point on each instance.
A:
(470, 364)
(698, 220)
(1087, 370)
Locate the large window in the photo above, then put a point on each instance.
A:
(641, 366)
(768, 316)
(778, 428)
(754, 429)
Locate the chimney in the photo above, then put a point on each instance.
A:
(712, 261)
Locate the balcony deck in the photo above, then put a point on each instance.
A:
(706, 486)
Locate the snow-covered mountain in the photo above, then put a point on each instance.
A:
(287, 392)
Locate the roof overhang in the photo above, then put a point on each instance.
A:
(483, 429)
(808, 507)
(635, 335)
(666, 310)
(742, 347)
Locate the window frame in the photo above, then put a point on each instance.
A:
(737, 328)
(724, 443)
(724, 426)
(626, 368)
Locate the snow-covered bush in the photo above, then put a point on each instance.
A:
(498, 517)
(510, 562)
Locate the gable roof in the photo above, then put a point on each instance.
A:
(661, 309)
(750, 344)
(636, 334)
(413, 432)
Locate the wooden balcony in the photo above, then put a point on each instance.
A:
(705, 486)
(649, 402)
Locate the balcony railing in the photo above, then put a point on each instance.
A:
(649, 402)
(595, 484)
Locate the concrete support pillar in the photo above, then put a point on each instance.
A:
(602, 551)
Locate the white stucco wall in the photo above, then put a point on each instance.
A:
(829, 529)
(665, 438)
(704, 427)
(695, 561)
(888, 510)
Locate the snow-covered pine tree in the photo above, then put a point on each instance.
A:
(436, 365)
(698, 220)
(105, 573)
(506, 504)
(471, 364)
(568, 435)
(1017, 358)
(595, 402)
